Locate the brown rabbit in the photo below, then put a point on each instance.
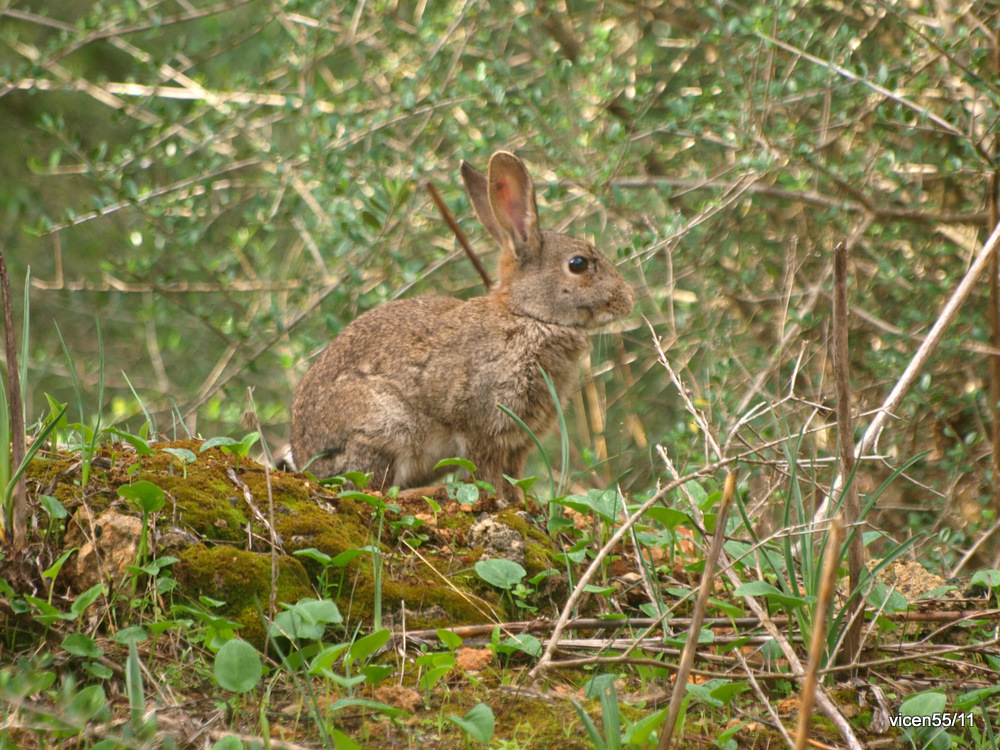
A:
(418, 380)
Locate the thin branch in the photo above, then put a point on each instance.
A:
(831, 561)
(814, 198)
(701, 604)
(19, 495)
(923, 354)
(459, 234)
(845, 434)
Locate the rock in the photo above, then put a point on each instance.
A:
(107, 546)
(497, 540)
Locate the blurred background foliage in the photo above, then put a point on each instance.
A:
(222, 186)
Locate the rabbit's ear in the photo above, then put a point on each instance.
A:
(478, 187)
(512, 198)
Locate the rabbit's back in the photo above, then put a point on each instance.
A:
(418, 380)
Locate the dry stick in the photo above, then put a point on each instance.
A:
(701, 604)
(994, 312)
(19, 500)
(459, 234)
(851, 507)
(920, 358)
(831, 561)
(910, 374)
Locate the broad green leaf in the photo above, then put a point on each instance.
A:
(79, 644)
(504, 574)
(478, 723)
(238, 667)
(461, 462)
(145, 495)
(364, 647)
(769, 592)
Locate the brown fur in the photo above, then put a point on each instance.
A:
(418, 380)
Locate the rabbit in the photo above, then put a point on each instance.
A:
(417, 380)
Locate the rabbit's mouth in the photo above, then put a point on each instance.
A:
(603, 317)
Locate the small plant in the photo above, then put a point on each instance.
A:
(602, 687)
(380, 507)
(477, 724)
(183, 456)
(87, 436)
(433, 666)
(138, 442)
(239, 448)
(506, 575)
(466, 493)
(56, 512)
(149, 499)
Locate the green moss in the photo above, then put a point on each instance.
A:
(307, 524)
(242, 580)
(205, 504)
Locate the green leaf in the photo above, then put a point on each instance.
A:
(595, 737)
(450, 640)
(359, 479)
(134, 686)
(364, 647)
(142, 447)
(504, 574)
(521, 642)
(968, 701)
(769, 592)
(347, 555)
(79, 644)
(52, 506)
(923, 704)
(238, 667)
(132, 634)
(727, 691)
(363, 703)
(705, 635)
(314, 554)
(46, 614)
(248, 441)
(87, 598)
(306, 619)
(144, 495)
(89, 705)
(185, 456)
(343, 742)
(220, 441)
(605, 503)
(467, 494)
(462, 462)
(886, 598)
(670, 518)
(638, 734)
(324, 660)
(478, 723)
(431, 676)
(100, 671)
(989, 579)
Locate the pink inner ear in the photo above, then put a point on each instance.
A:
(512, 208)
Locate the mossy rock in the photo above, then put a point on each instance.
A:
(242, 580)
(218, 521)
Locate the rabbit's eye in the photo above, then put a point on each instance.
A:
(578, 264)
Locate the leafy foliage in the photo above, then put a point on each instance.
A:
(208, 191)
